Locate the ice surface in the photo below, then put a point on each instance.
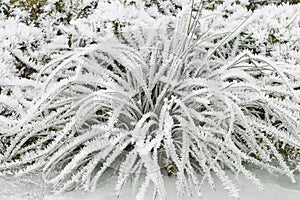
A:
(32, 188)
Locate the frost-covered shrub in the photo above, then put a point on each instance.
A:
(19, 63)
(28, 44)
(164, 92)
(275, 35)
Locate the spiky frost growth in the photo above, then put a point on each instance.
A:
(151, 97)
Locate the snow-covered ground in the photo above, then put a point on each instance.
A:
(276, 188)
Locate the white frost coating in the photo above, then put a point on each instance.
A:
(147, 90)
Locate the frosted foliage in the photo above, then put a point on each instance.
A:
(147, 89)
